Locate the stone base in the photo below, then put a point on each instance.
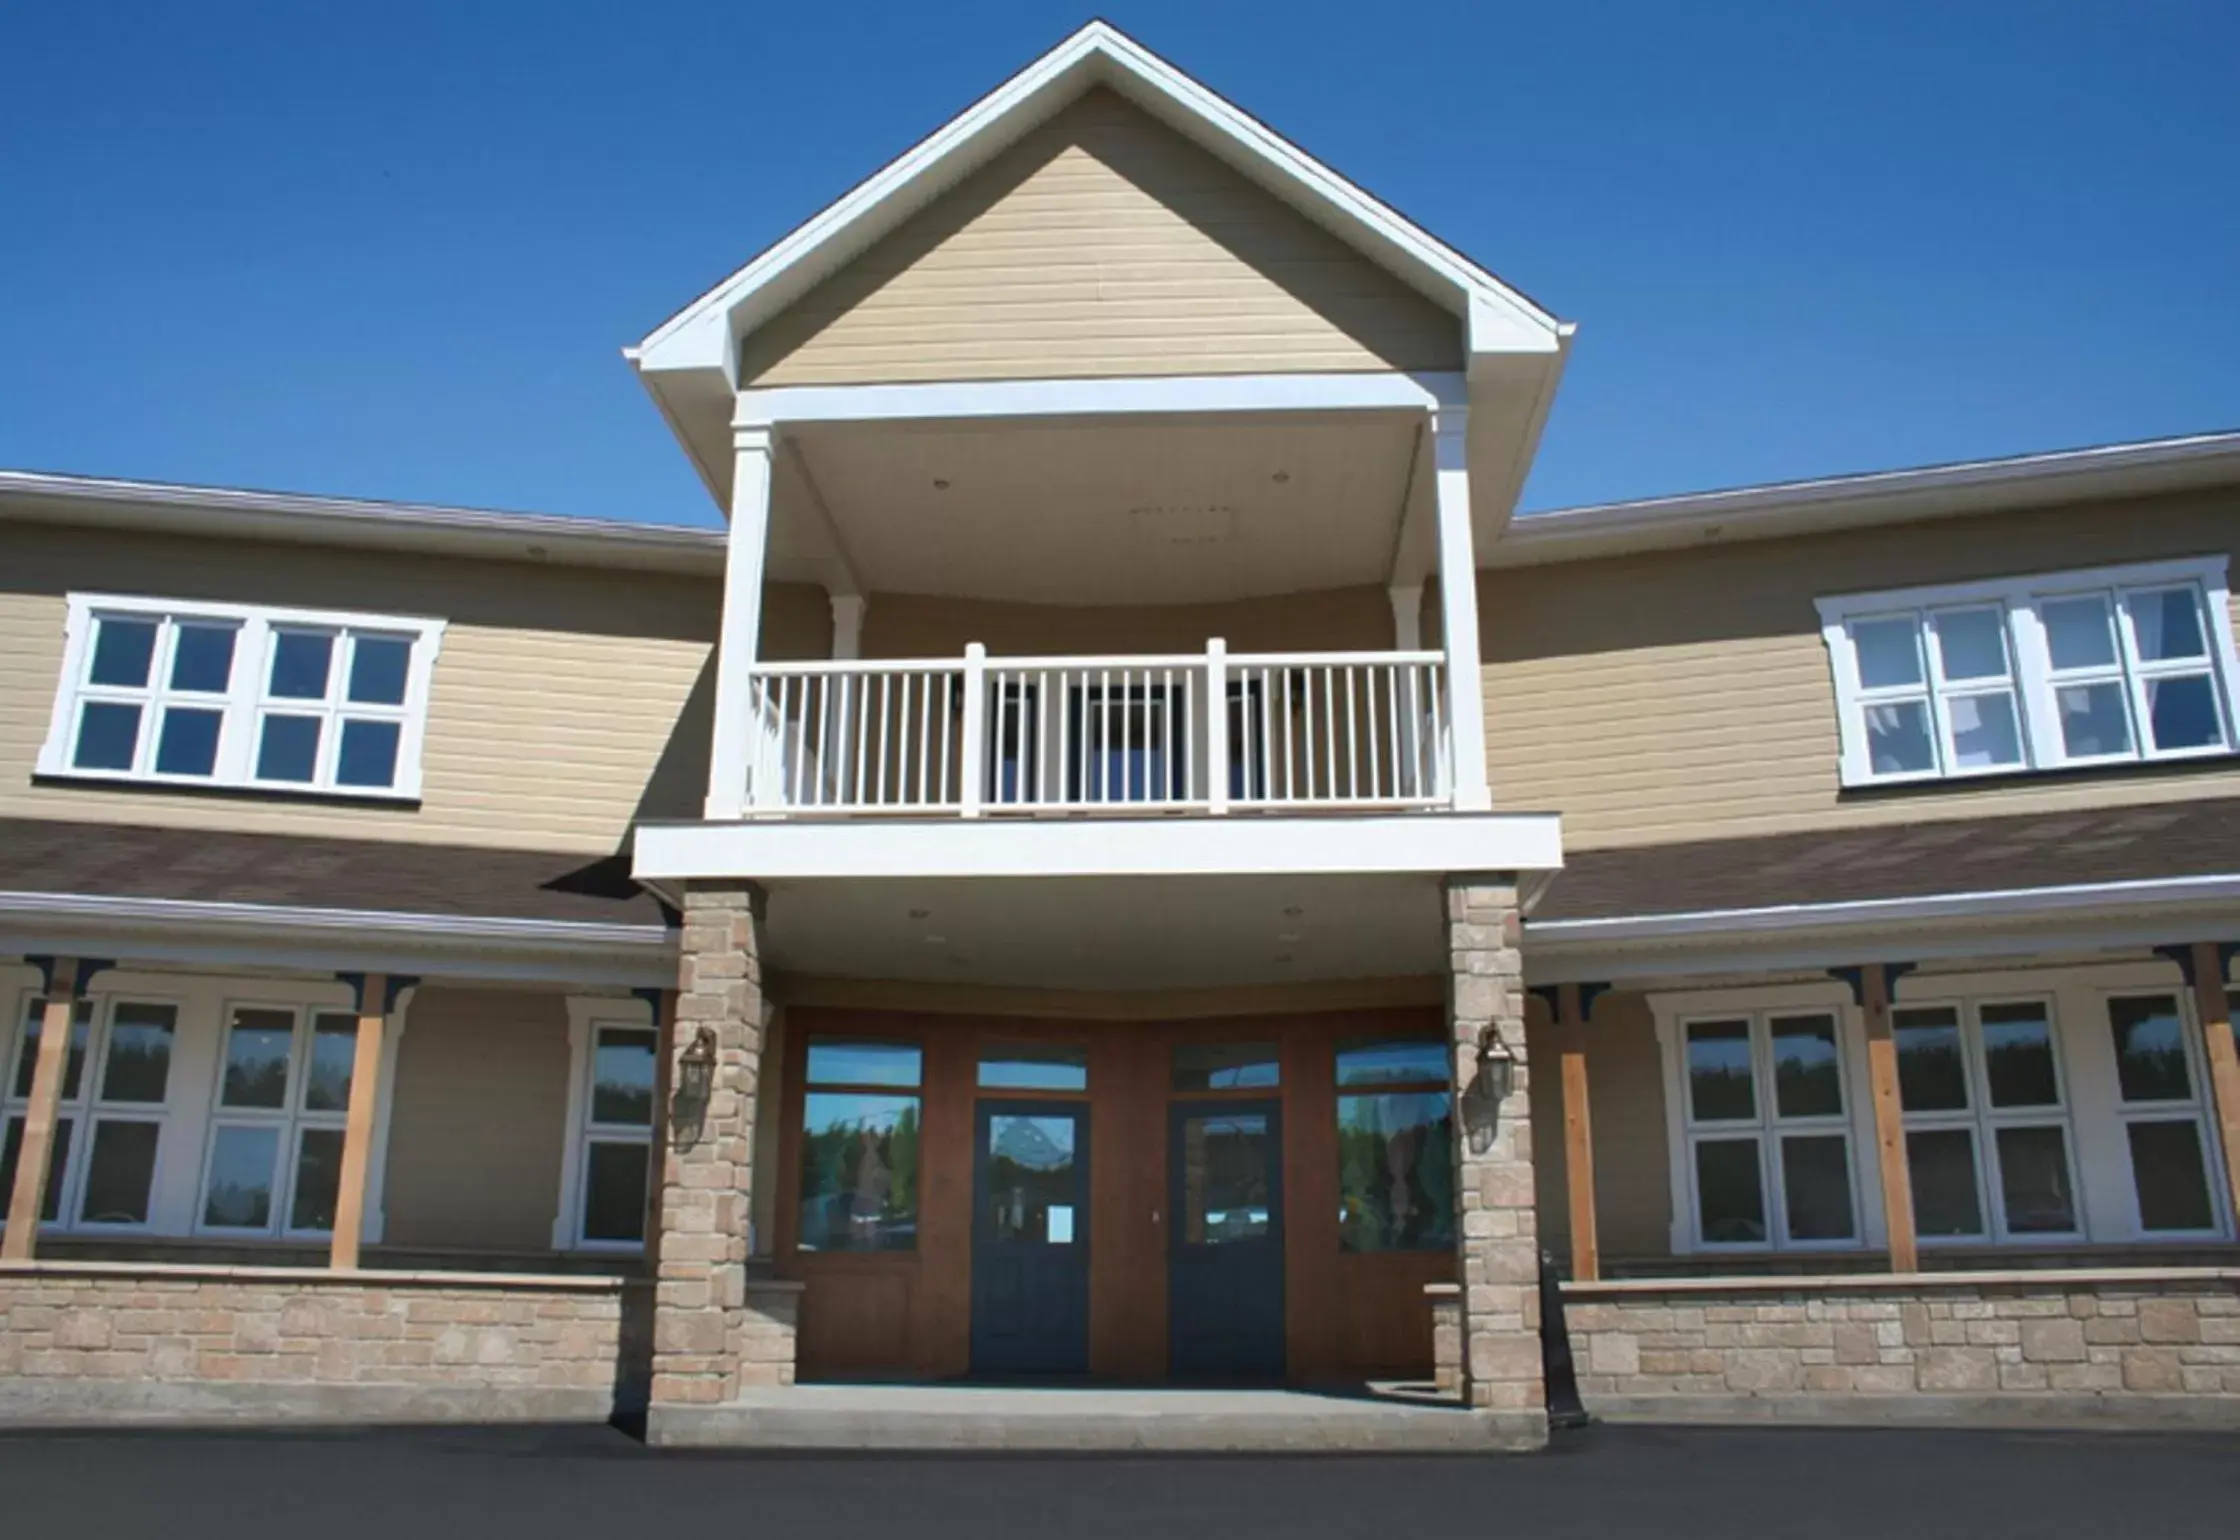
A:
(99, 1403)
(2140, 1413)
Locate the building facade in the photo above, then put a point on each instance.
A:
(1123, 861)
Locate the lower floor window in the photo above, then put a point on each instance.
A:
(1395, 1147)
(2165, 1126)
(1986, 1118)
(1768, 1133)
(111, 1113)
(617, 1137)
(275, 1157)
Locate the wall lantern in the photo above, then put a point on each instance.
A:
(1488, 1089)
(696, 1069)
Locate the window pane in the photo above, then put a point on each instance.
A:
(2093, 719)
(11, 1150)
(318, 1179)
(859, 1172)
(334, 1058)
(239, 1193)
(1898, 738)
(1028, 1068)
(1931, 1074)
(1729, 1199)
(2150, 1049)
(369, 754)
(123, 651)
(1889, 652)
(2167, 623)
(1395, 1172)
(1985, 731)
(289, 750)
(834, 1061)
(2182, 713)
(1816, 1187)
(1941, 1169)
(1807, 1082)
(2018, 1062)
(1720, 1083)
(614, 1191)
(202, 659)
(2034, 1186)
(1392, 1063)
(188, 741)
(107, 735)
(2078, 633)
(1972, 644)
(120, 1168)
(1033, 1189)
(1226, 1067)
(1226, 1158)
(257, 1049)
(622, 1077)
(377, 670)
(138, 1066)
(2170, 1176)
(300, 662)
(73, 1064)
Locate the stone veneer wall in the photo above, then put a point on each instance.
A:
(108, 1339)
(2003, 1342)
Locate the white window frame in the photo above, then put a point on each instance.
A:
(245, 702)
(290, 1118)
(86, 1111)
(2030, 671)
(587, 1017)
(2196, 1109)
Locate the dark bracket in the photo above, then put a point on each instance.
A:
(1856, 978)
(653, 999)
(398, 983)
(87, 968)
(2182, 955)
(1550, 996)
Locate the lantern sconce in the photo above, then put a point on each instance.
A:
(1488, 1089)
(696, 1078)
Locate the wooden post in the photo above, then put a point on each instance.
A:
(1889, 1120)
(1578, 1134)
(2215, 1009)
(36, 1154)
(357, 1133)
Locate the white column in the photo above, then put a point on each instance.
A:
(847, 627)
(1458, 610)
(1407, 616)
(752, 444)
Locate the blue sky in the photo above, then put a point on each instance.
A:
(392, 250)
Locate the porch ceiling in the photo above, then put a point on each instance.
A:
(1145, 511)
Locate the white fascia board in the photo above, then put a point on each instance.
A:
(323, 940)
(1096, 53)
(1132, 395)
(1100, 847)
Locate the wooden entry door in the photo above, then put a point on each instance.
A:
(1225, 1246)
(1030, 1238)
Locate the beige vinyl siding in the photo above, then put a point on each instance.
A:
(1686, 695)
(908, 626)
(1103, 243)
(480, 1120)
(1625, 1105)
(566, 702)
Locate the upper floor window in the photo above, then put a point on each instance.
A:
(198, 694)
(2080, 668)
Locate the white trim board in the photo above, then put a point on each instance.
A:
(1131, 395)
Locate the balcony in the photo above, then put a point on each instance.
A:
(1210, 734)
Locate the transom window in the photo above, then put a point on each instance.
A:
(2075, 669)
(115, 1086)
(1768, 1130)
(274, 1165)
(226, 695)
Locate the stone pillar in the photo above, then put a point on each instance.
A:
(707, 1159)
(1500, 1242)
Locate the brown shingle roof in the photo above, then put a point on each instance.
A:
(112, 861)
(1962, 855)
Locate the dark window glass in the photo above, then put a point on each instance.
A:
(108, 734)
(2018, 1062)
(1227, 1066)
(1730, 1195)
(622, 1070)
(334, 1059)
(11, 1150)
(2170, 1176)
(1932, 1075)
(378, 665)
(1366, 1064)
(120, 1168)
(369, 754)
(1396, 1172)
(1014, 753)
(837, 1061)
(1124, 745)
(188, 742)
(138, 1067)
(318, 1179)
(73, 1064)
(1941, 1166)
(2182, 713)
(289, 749)
(238, 1195)
(1031, 1068)
(2034, 1187)
(1807, 1081)
(859, 1172)
(202, 659)
(300, 663)
(257, 1049)
(1721, 1087)
(614, 1191)
(123, 651)
(1033, 1188)
(1225, 1160)
(2150, 1042)
(1816, 1187)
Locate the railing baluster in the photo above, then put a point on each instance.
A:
(1353, 737)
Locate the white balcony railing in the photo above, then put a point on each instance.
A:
(1217, 732)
